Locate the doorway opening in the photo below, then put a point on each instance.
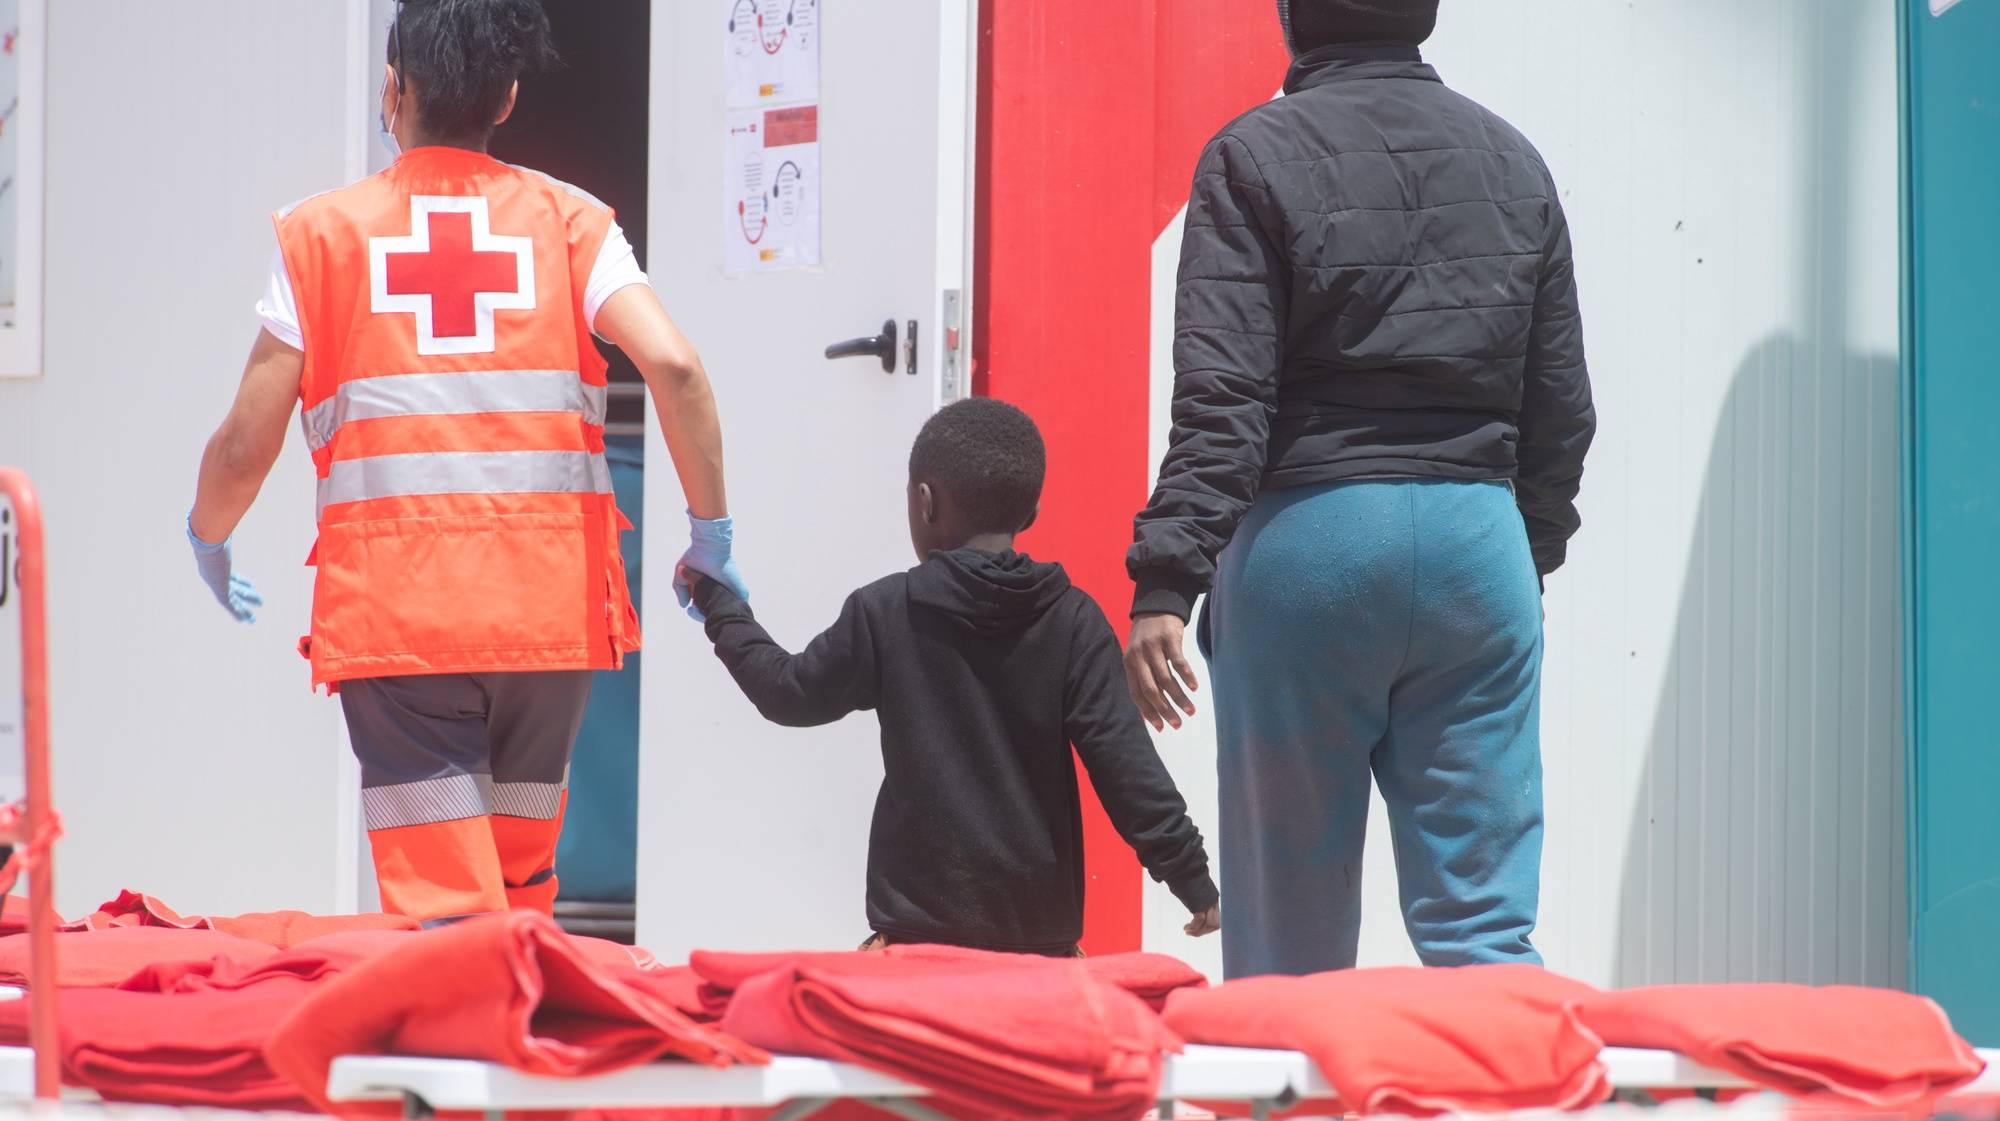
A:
(585, 124)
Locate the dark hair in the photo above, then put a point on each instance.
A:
(987, 456)
(465, 55)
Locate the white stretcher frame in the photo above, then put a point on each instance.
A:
(800, 1087)
(1263, 1079)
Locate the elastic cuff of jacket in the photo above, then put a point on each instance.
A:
(1163, 591)
(1196, 893)
(712, 595)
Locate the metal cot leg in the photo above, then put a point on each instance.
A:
(909, 1109)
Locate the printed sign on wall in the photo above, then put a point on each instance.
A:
(21, 117)
(770, 166)
(771, 194)
(12, 783)
(771, 55)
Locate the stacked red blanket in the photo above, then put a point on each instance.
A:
(1871, 1047)
(14, 915)
(510, 988)
(283, 929)
(189, 1033)
(99, 958)
(680, 987)
(1012, 1037)
(1150, 977)
(317, 961)
(1415, 1041)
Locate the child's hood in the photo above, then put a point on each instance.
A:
(992, 593)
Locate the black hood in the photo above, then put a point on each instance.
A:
(1309, 24)
(990, 593)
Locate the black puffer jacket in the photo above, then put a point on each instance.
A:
(1375, 281)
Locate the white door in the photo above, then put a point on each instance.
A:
(751, 835)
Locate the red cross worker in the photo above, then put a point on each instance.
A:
(432, 324)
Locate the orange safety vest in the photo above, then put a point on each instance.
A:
(454, 405)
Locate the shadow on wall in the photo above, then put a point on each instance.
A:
(1767, 837)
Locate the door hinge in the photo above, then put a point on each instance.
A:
(951, 381)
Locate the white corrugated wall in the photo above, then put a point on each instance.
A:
(1721, 719)
(190, 759)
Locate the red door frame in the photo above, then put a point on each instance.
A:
(1090, 119)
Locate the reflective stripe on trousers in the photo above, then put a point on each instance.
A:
(463, 781)
(450, 797)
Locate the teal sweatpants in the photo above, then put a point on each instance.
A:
(1389, 627)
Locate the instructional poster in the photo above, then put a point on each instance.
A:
(771, 196)
(12, 785)
(10, 156)
(771, 51)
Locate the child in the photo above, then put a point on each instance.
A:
(984, 667)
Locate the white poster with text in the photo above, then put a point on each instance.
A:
(13, 784)
(771, 189)
(770, 51)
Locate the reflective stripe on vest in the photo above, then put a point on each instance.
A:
(398, 476)
(484, 391)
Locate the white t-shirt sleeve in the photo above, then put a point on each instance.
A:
(278, 309)
(614, 268)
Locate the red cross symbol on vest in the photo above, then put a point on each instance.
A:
(452, 272)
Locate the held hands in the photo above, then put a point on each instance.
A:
(708, 554)
(1204, 923)
(1156, 670)
(236, 594)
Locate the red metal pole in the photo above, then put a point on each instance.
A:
(42, 992)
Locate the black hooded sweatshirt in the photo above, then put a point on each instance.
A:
(983, 669)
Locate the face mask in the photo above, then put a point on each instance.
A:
(388, 126)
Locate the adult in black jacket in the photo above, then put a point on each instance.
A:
(1381, 408)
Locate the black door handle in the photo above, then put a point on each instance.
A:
(882, 346)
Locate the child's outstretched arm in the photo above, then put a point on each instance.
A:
(1139, 795)
(833, 676)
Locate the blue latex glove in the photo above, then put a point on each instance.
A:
(236, 595)
(708, 555)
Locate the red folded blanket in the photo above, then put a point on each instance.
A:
(1019, 1038)
(189, 1033)
(509, 988)
(133, 908)
(316, 961)
(99, 958)
(1415, 1041)
(1870, 1047)
(679, 986)
(1150, 977)
(286, 929)
(283, 929)
(14, 916)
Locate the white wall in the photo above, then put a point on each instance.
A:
(190, 760)
(1721, 717)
